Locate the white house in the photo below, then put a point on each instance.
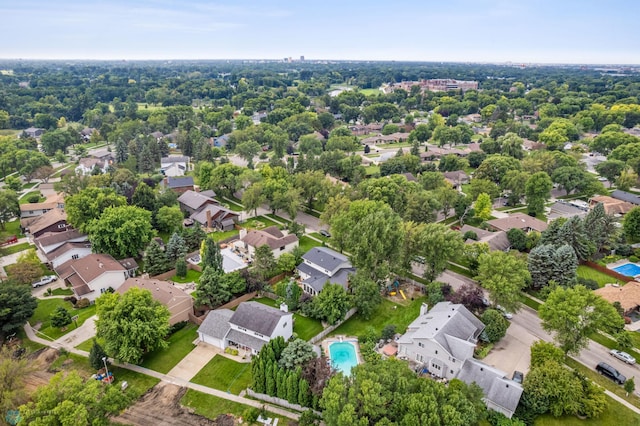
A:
(321, 265)
(87, 165)
(249, 328)
(174, 165)
(92, 275)
(443, 340)
(38, 209)
(68, 251)
(50, 241)
(272, 236)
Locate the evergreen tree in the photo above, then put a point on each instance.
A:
(258, 375)
(155, 259)
(304, 393)
(122, 151)
(564, 266)
(573, 233)
(210, 255)
(176, 247)
(193, 236)
(144, 197)
(95, 356)
(264, 263)
(181, 267)
(281, 384)
(270, 380)
(60, 317)
(146, 162)
(538, 262)
(292, 387)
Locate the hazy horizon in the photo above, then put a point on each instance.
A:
(548, 32)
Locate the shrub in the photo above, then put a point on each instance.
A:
(388, 332)
(33, 198)
(177, 326)
(181, 268)
(633, 258)
(83, 303)
(624, 250)
(470, 235)
(71, 300)
(588, 283)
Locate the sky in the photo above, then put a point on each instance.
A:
(518, 31)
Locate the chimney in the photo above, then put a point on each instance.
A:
(243, 233)
(423, 309)
(208, 218)
(284, 307)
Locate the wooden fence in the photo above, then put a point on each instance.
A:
(235, 302)
(315, 339)
(607, 271)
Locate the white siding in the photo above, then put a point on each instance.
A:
(80, 252)
(113, 279)
(284, 327)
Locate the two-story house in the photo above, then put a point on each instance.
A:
(192, 201)
(320, 266)
(87, 165)
(174, 165)
(249, 328)
(179, 303)
(179, 184)
(271, 236)
(38, 209)
(50, 241)
(215, 216)
(52, 221)
(92, 275)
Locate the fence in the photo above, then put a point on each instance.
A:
(315, 339)
(235, 302)
(278, 401)
(608, 271)
(170, 273)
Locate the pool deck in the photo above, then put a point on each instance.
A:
(622, 262)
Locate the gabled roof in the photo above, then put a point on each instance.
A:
(41, 222)
(165, 293)
(218, 214)
(626, 196)
(325, 257)
(497, 389)
(129, 263)
(497, 240)
(612, 205)
(519, 221)
(257, 317)
(174, 159)
(627, 295)
(47, 205)
(216, 324)
(456, 175)
(179, 182)
(59, 251)
(51, 238)
(194, 200)
(270, 236)
(89, 268)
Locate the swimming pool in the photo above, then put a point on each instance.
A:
(628, 269)
(343, 356)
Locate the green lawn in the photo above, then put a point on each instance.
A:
(224, 374)
(193, 276)
(303, 326)
(87, 344)
(10, 229)
(307, 243)
(277, 218)
(233, 206)
(211, 406)
(15, 248)
(318, 236)
(612, 344)
(62, 292)
(45, 309)
(372, 170)
(261, 222)
(529, 302)
(615, 414)
(25, 197)
(219, 236)
(601, 278)
(459, 270)
(400, 316)
(139, 383)
(369, 92)
(180, 344)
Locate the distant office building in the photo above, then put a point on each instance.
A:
(302, 58)
(433, 85)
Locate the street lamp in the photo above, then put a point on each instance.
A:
(104, 359)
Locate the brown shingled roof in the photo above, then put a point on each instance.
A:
(165, 293)
(44, 221)
(628, 295)
(519, 221)
(270, 236)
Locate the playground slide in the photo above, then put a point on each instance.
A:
(403, 296)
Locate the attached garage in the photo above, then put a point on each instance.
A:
(215, 327)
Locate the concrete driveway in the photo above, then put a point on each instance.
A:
(194, 362)
(513, 351)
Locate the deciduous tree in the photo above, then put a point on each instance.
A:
(16, 307)
(89, 204)
(332, 303)
(504, 275)
(121, 231)
(169, 219)
(9, 207)
(538, 191)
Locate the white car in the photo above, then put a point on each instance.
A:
(44, 281)
(508, 315)
(623, 356)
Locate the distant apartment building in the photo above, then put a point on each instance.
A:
(434, 85)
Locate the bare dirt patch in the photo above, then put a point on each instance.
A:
(160, 406)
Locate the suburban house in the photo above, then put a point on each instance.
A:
(249, 328)
(179, 184)
(566, 209)
(179, 303)
(612, 206)
(392, 138)
(86, 133)
(221, 141)
(86, 166)
(68, 251)
(50, 241)
(457, 178)
(500, 393)
(272, 236)
(157, 135)
(38, 209)
(443, 340)
(434, 152)
(626, 196)
(174, 165)
(92, 275)
(628, 295)
(52, 221)
(130, 265)
(215, 216)
(496, 240)
(518, 220)
(320, 266)
(192, 201)
(33, 132)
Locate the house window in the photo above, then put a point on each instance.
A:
(257, 334)
(421, 344)
(284, 325)
(436, 352)
(243, 329)
(75, 256)
(62, 225)
(451, 371)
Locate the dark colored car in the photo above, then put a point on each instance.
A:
(517, 377)
(325, 233)
(607, 370)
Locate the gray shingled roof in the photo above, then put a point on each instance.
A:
(179, 182)
(626, 196)
(246, 340)
(195, 200)
(174, 159)
(325, 257)
(257, 317)
(216, 324)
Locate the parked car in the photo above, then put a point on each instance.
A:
(44, 281)
(610, 372)
(325, 233)
(623, 356)
(517, 377)
(508, 315)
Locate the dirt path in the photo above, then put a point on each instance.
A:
(161, 407)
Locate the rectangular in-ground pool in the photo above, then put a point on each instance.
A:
(343, 356)
(628, 269)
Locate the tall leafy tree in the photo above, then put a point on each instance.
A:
(538, 191)
(437, 244)
(573, 314)
(16, 307)
(168, 219)
(496, 325)
(131, 324)
(504, 275)
(366, 294)
(9, 207)
(631, 224)
(483, 206)
(144, 197)
(121, 231)
(89, 204)
(332, 303)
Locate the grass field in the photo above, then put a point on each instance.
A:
(307, 243)
(261, 222)
(219, 236)
(387, 313)
(25, 197)
(614, 414)
(193, 276)
(224, 374)
(15, 248)
(43, 313)
(180, 344)
(304, 327)
(211, 406)
(368, 92)
(372, 170)
(10, 229)
(601, 278)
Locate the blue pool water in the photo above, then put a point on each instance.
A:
(343, 356)
(628, 269)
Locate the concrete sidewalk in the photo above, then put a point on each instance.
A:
(194, 362)
(83, 333)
